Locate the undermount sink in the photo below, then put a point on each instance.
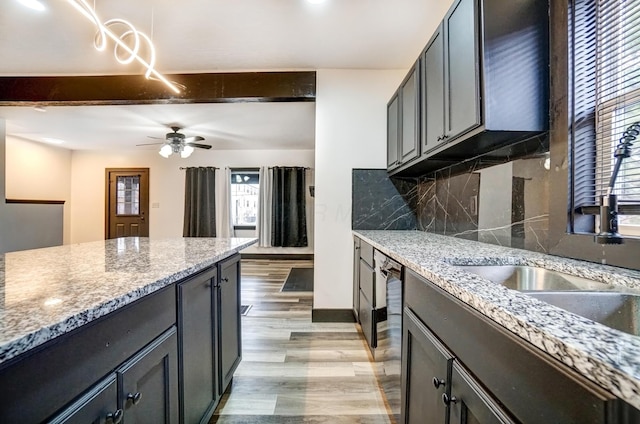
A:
(615, 310)
(526, 278)
(614, 306)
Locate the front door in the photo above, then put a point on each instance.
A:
(127, 201)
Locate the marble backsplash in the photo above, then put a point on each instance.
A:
(505, 204)
(380, 203)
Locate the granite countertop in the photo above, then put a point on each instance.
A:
(605, 356)
(48, 292)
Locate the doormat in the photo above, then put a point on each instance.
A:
(244, 309)
(299, 279)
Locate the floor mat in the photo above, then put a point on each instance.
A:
(299, 279)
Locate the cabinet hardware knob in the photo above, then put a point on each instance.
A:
(438, 382)
(114, 417)
(444, 137)
(439, 138)
(134, 397)
(448, 400)
(224, 280)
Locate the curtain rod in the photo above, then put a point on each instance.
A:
(182, 168)
(305, 167)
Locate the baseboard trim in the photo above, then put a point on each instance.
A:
(332, 315)
(281, 256)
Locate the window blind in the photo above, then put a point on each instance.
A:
(605, 91)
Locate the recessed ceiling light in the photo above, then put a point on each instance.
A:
(33, 4)
(316, 1)
(52, 140)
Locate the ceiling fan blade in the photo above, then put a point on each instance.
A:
(149, 144)
(198, 145)
(155, 138)
(194, 138)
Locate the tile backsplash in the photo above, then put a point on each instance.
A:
(505, 204)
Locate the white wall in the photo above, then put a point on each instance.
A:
(166, 186)
(351, 128)
(38, 171)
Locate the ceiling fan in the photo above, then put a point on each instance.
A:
(176, 142)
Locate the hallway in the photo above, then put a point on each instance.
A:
(293, 370)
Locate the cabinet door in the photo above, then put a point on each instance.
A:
(433, 92)
(98, 406)
(149, 383)
(409, 147)
(356, 277)
(228, 305)
(425, 374)
(198, 373)
(462, 100)
(470, 403)
(393, 113)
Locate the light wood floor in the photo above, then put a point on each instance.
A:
(293, 370)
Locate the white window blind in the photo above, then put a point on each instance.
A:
(604, 52)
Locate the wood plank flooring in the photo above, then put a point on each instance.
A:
(293, 370)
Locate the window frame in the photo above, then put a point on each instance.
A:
(247, 170)
(563, 239)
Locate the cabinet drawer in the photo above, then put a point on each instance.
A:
(367, 282)
(366, 252)
(533, 386)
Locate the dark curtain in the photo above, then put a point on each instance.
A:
(289, 217)
(199, 202)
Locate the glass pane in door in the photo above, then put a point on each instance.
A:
(128, 195)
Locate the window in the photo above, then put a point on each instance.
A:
(245, 189)
(128, 195)
(605, 66)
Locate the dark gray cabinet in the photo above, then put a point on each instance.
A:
(356, 277)
(425, 374)
(228, 307)
(433, 92)
(495, 376)
(393, 128)
(199, 391)
(364, 296)
(461, 83)
(410, 96)
(484, 82)
(149, 383)
(98, 406)
(403, 121)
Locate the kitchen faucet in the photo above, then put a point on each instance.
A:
(608, 202)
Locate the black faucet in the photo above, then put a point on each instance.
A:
(609, 202)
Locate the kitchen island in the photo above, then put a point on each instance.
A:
(73, 318)
(606, 357)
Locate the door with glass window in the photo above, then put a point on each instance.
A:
(127, 202)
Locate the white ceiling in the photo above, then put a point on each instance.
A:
(207, 36)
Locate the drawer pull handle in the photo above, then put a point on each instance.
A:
(134, 398)
(448, 400)
(114, 417)
(438, 382)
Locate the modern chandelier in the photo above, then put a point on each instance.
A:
(123, 52)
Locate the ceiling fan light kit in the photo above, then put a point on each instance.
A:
(176, 142)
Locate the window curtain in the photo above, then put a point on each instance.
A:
(223, 200)
(289, 223)
(199, 202)
(265, 204)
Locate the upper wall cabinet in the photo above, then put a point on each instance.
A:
(403, 121)
(484, 83)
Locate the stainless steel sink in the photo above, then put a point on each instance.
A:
(526, 278)
(615, 310)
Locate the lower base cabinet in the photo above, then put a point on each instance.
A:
(228, 315)
(456, 358)
(142, 390)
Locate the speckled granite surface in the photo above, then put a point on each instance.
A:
(608, 357)
(47, 292)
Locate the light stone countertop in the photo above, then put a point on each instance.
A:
(605, 356)
(48, 292)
